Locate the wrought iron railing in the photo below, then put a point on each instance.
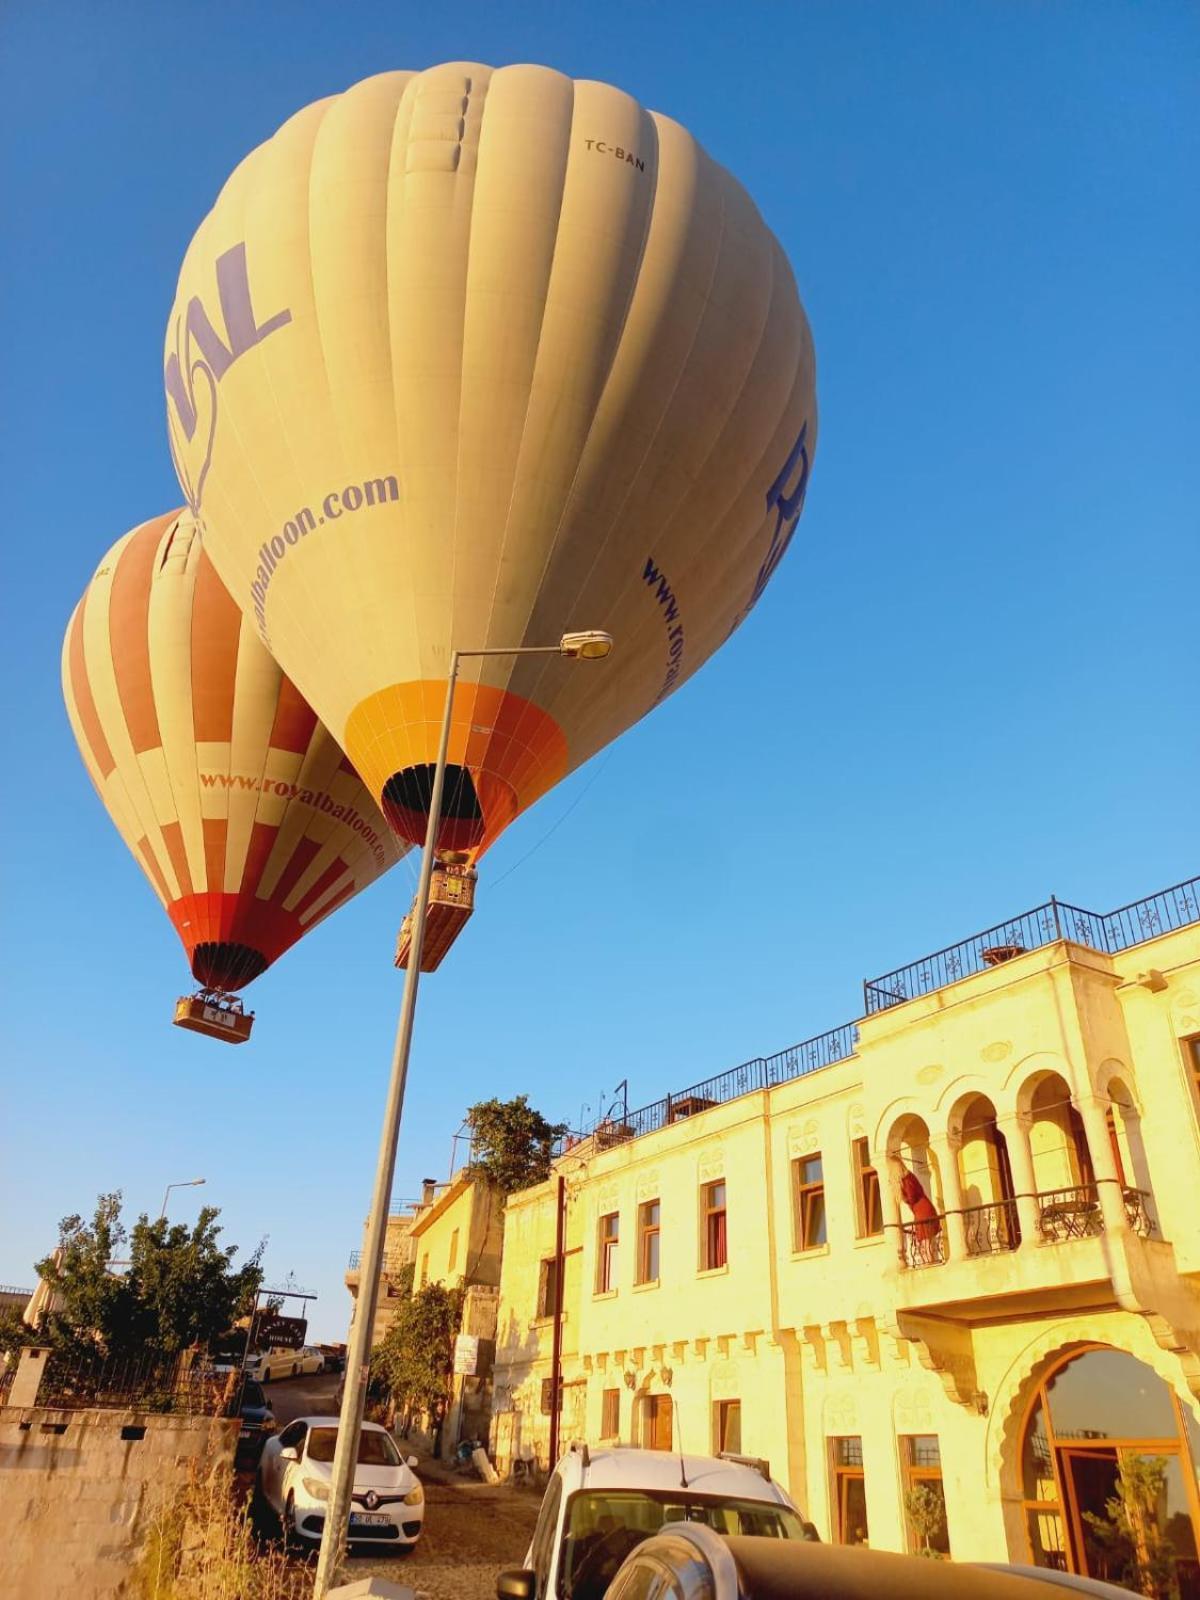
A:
(923, 1244)
(1110, 932)
(1137, 1213)
(155, 1382)
(1070, 1213)
(392, 1264)
(760, 1072)
(991, 1229)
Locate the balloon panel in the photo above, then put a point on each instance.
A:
(469, 358)
(238, 805)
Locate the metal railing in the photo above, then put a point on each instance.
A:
(991, 1229)
(392, 1264)
(923, 1244)
(1072, 1213)
(1110, 932)
(1137, 1213)
(760, 1072)
(154, 1383)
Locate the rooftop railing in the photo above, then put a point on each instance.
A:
(1110, 932)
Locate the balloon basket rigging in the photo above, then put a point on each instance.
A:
(217, 1015)
(451, 902)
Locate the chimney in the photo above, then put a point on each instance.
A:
(428, 1185)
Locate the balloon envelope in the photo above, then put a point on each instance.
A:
(237, 804)
(468, 358)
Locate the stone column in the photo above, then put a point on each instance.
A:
(952, 1200)
(1015, 1129)
(1104, 1165)
(27, 1379)
(889, 1204)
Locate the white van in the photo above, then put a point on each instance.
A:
(599, 1505)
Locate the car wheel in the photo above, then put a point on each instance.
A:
(288, 1520)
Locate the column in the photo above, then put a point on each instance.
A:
(1015, 1129)
(952, 1200)
(889, 1204)
(1104, 1165)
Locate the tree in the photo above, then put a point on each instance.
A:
(179, 1286)
(1130, 1537)
(415, 1358)
(927, 1515)
(511, 1143)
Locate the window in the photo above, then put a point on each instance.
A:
(425, 1269)
(727, 1426)
(1193, 1052)
(849, 1491)
(548, 1288)
(547, 1385)
(924, 1498)
(809, 1182)
(870, 1210)
(610, 1414)
(453, 1250)
(292, 1438)
(714, 1238)
(648, 1253)
(607, 1253)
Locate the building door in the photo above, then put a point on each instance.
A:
(656, 1422)
(1090, 1482)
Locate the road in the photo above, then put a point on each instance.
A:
(472, 1529)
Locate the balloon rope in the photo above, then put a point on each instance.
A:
(520, 862)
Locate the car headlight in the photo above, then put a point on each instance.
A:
(317, 1487)
(414, 1497)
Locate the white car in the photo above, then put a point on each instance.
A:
(388, 1503)
(311, 1359)
(599, 1506)
(279, 1362)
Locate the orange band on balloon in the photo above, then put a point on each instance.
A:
(513, 750)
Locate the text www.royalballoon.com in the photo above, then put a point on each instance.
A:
(337, 503)
(317, 798)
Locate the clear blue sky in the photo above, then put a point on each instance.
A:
(973, 681)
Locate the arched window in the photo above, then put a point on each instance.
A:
(1109, 1464)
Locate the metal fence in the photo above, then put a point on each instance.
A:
(1110, 932)
(154, 1382)
(760, 1072)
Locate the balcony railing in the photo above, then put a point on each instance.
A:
(923, 1244)
(1137, 1213)
(991, 1229)
(393, 1265)
(1070, 1213)
(1110, 932)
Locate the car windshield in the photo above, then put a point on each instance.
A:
(603, 1527)
(374, 1449)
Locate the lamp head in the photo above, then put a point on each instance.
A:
(592, 645)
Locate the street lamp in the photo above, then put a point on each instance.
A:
(592, 645)
(188, 1183)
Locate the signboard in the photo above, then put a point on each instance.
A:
(284, 1333)
(466, 1354)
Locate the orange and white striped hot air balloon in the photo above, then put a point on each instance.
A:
(236, 802)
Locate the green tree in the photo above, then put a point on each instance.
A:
(1130, 1537)
(927, 1516)
(160, 1288)
(415, 1359)
(511, 1143)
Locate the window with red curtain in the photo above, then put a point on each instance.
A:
(716, 1247)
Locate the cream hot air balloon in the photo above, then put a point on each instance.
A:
(237, 804)
(470, 357)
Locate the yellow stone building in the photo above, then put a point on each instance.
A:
(940, 1266)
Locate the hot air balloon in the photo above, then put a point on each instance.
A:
(237, 804)
(469, 357)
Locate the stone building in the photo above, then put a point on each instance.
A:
(398, 1253)
(951, 1247)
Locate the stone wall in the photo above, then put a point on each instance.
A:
(79, 1489)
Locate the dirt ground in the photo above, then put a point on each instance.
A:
(472, 1529)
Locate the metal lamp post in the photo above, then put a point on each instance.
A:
(587, 646)
(188, 1183)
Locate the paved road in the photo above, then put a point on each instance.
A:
(472, 1529)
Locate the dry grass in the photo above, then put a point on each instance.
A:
(204, 1547)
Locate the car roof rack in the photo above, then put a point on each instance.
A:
(756, 1463)
(579, 1447)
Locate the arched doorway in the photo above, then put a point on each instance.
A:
(1109, 1463)
(989, 1198)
